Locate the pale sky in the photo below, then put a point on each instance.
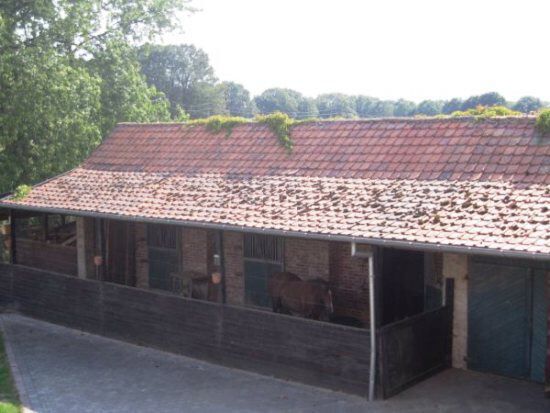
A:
(412, 49)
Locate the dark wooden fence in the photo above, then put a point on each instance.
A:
(414, 349)
(309, 351)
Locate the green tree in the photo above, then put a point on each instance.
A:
(486, 99)
(285, 101)
(334, 105)
(404, 108)
(184, 74)
(237, 100)
(364, 106)
(124, 93)
(66, 77)
(48, 113)
(528, 104)
(451, 106)
(429, 107)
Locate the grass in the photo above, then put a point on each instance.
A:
(9, 400)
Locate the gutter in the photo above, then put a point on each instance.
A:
(411, 245)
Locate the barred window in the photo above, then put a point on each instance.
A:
(263, 247)
(162, 236)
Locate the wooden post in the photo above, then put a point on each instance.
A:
(222, 266)
(81, 247)
(13, 254)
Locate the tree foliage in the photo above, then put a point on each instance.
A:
(429, 107)
(486, 99)
(183, 73)
(286, 101)
(237, 100)
(487, 112)
(333, 105)
(67, 75)
(528, 104)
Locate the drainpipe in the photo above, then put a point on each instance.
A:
(372, 369)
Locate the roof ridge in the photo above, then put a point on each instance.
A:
(364, 120)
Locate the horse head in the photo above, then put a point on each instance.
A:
(326, 302)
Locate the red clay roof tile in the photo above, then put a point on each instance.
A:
(456, 182)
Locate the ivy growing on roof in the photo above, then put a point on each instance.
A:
(218, 123)
(487, 112)
(543, 121)
(279, 123)
(21, 192)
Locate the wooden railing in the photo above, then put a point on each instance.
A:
(413, 349)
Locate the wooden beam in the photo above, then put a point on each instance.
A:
(13, 254)
(222, 265)
(81, 247)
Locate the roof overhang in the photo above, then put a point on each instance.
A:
(390, 243)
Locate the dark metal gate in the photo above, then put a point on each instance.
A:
(414, 349)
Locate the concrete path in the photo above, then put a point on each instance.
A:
(64, 370)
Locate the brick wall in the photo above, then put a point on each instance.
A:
(234, 267)
(331, 261)
(456, 266)
(142, 256)
(307, 258)
(349, 282)
(194, 250)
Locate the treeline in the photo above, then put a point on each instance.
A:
(183, 73)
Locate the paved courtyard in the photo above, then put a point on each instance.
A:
(64, 370)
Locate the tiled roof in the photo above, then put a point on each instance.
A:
(455, 182)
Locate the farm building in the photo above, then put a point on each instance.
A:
(371, 255)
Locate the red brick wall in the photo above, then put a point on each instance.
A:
(331, 261)
(194, 250)
(307, 258)
(234, 267)
(349, 282)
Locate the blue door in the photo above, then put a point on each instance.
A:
(507, 319)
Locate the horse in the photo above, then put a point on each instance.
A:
(306, 298)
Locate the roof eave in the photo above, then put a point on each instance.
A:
(413, 245)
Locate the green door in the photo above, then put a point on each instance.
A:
(539, 323)
(506, 320)
(257, 274)
(164, 258)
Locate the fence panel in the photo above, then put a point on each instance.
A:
(413, 349)
(318, 353)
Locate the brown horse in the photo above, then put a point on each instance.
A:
(306, 298)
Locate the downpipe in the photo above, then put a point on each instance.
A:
(372, 369)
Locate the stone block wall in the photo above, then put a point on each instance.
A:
(234, 267)
(456, 266)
